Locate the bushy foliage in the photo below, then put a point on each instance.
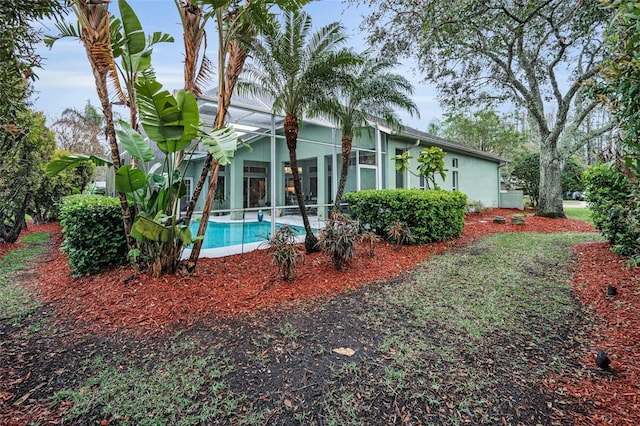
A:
(45, 199)
(615, 207)
(430, 162)
(338, 239)
(20, 129)
(526, 170)
(93, 233)
(572, 177)
(431, 215)
(284, 251)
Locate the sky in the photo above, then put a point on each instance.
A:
(65, 81)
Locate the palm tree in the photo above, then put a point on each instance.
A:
(297, 69)
(370, 91)
(94, 31)
(235, 26)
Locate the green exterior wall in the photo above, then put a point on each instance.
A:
(248, 181)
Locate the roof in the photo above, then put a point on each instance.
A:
(254, 114)
(450, 145)
(259, 108)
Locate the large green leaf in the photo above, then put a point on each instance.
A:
(190, 113)
(163, 199)
(169, 121)
(222, 144)
(135, 38)
(186, 236)
(129, 179)
(134, 144)
(58, 165)
(152, 230)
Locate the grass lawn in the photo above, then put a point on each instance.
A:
(15, 302)
(466, 338)
(579, 213)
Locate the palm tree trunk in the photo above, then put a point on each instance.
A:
(96, 39)
(291, 135)
(235, 64)
(101, 85)
(344, 170)
(197, 246)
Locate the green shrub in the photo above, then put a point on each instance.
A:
(338, 239)
(606, 190)
(93, 233)
(431, 215)
(615, 207)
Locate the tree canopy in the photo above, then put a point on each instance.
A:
(370, 91)
(541, 56)
(296, 68)
(18, 148)
(485, 130)
(622, 75)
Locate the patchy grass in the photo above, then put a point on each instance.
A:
(15, 300)
(186, 390)
(579, 213)
(464, 339)
(466, 321)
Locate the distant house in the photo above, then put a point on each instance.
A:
(260, 177)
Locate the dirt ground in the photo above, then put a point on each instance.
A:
(234, 302)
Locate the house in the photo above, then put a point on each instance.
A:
(259, 177)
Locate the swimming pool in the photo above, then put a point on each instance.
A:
(225, 234)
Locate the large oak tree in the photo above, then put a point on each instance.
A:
(539, 55)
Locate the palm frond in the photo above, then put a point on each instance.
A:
(65, 30)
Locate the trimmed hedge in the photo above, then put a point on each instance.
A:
(431, 215)
(93, 233)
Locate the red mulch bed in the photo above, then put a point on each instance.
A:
(224, 287)
(119, 299)
(615, 394)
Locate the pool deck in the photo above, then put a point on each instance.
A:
(253, 217)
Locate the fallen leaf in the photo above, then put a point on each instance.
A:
(344, 351)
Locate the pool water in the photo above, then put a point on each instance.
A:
(225, 234)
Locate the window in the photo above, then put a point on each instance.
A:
(454, 163)
(399, 176)
(220, 186)
(367, 158)
(454, 180)
(184, 200)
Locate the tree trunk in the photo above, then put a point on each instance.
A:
(11, 234)
(95, 40)
(344, 170)
(197, 246)
(291, 135)
(550, 197)
(101, 84)
(235, 64)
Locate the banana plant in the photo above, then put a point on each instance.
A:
(173, 124)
